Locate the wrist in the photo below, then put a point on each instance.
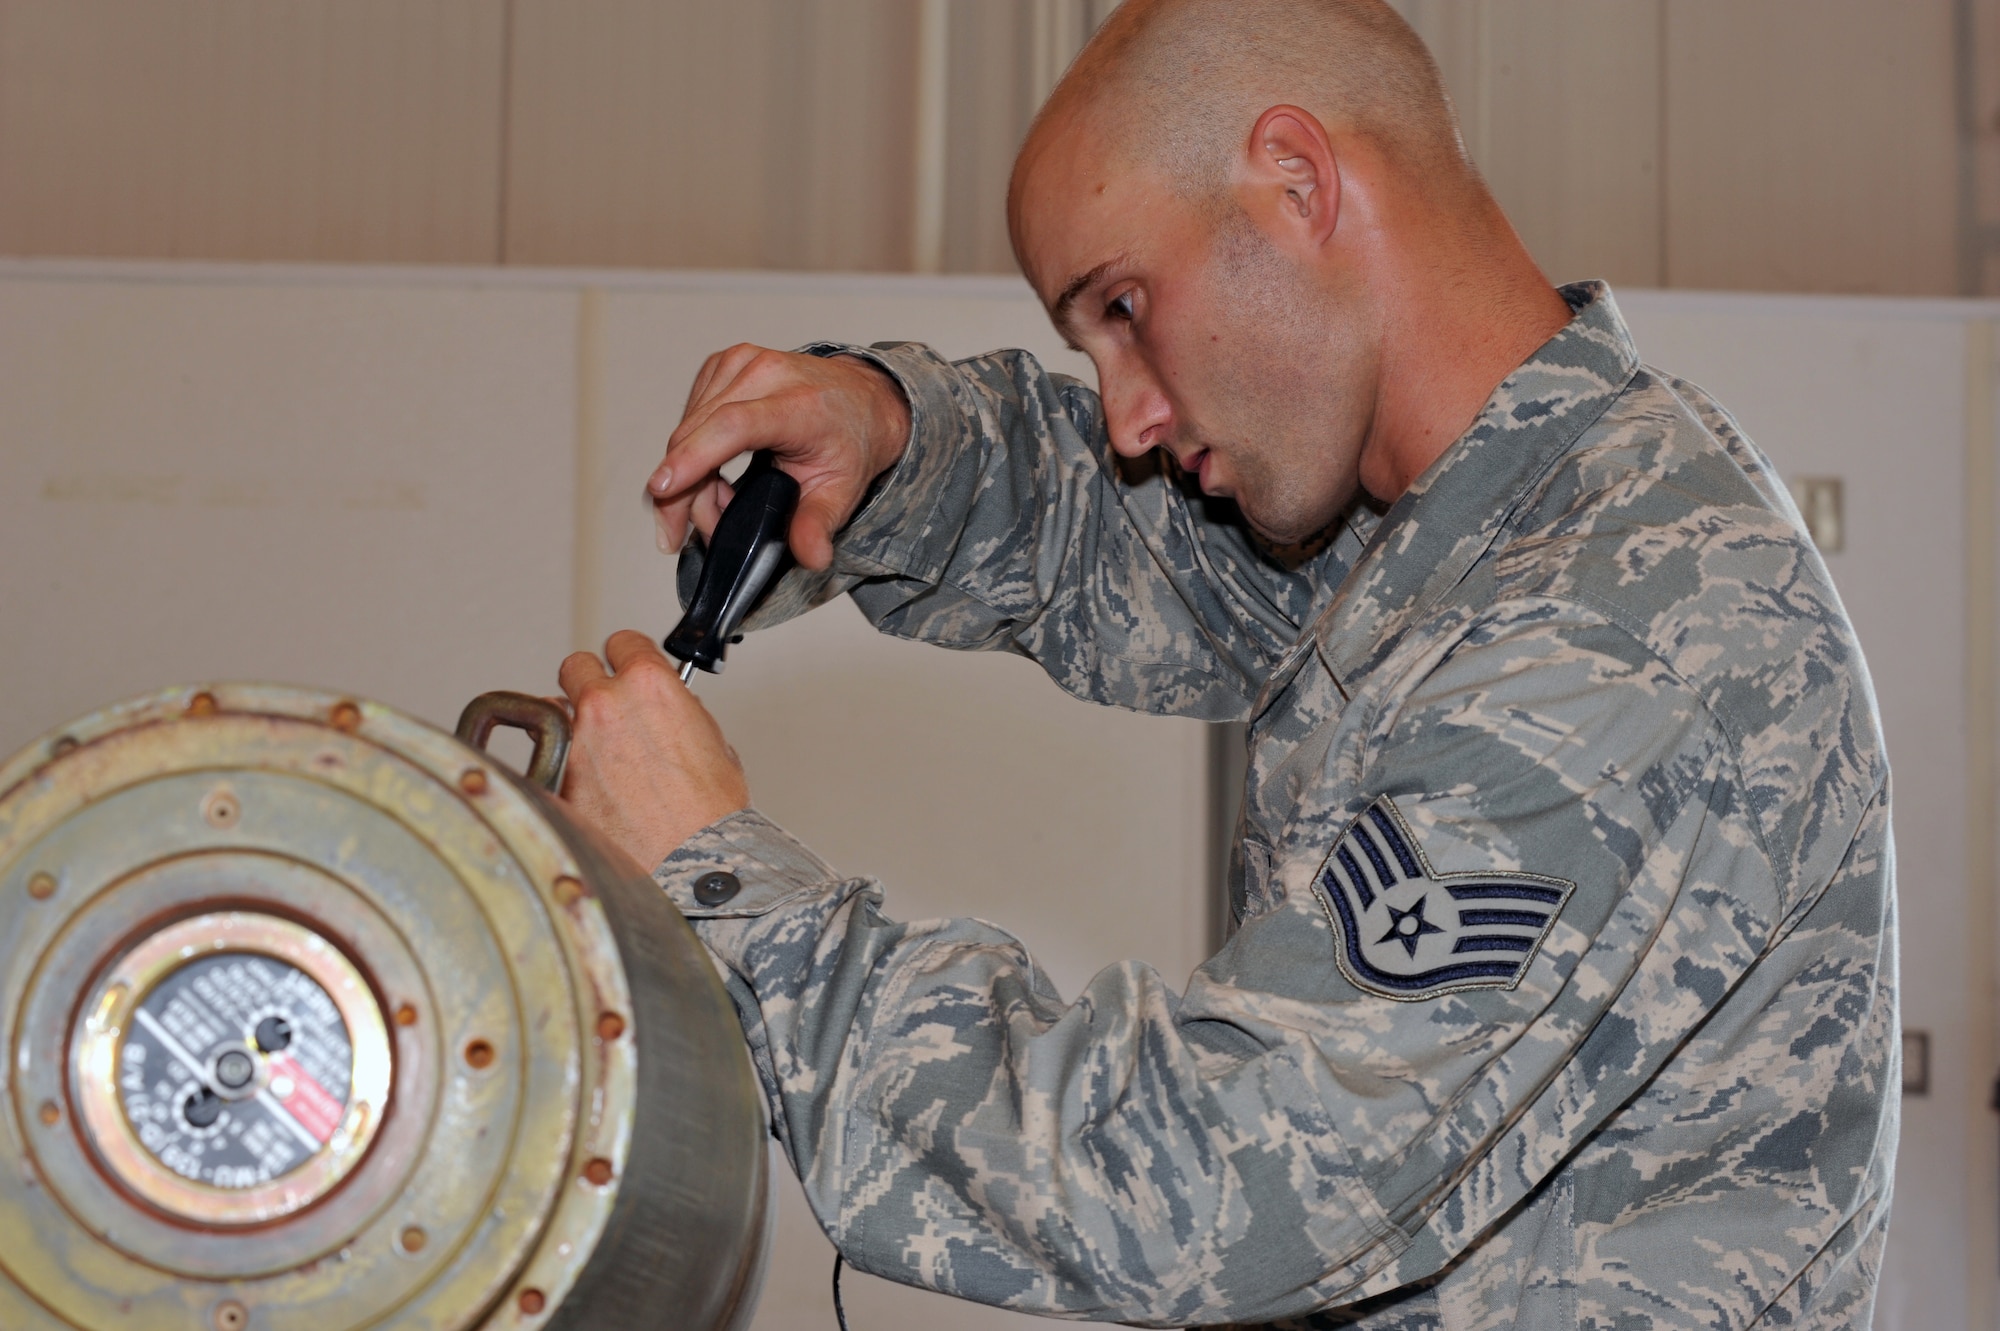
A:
(889, 436)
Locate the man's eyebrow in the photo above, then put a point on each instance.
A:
(1059, 312)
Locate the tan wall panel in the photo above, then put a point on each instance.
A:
(1559, 104)
(842, 171)
(340, 129)
(1573, 133)
(991, 101)
(638, 132)
(1811, 146)
(768, 133)
(1457, 35)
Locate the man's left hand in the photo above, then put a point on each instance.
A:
(648, 766)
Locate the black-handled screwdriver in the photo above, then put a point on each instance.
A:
(744, 554)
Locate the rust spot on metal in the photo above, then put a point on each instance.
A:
(472, 781)
(42, 886)
(610, 1026)
(406, 1015)
(532, 1302)
(221, 808)
(598, 1172)
(61, 745)
(568, 891)
(479, 1054)
(202, 704)
(50, 1113)
(231, 1316)
(345, 717)
(413, 1239)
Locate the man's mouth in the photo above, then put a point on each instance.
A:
(1196, 465)
(1205, 470)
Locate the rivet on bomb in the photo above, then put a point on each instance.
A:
(202, 704)
(42, 886)
(610, 1026)
(479, 1054)
(50, 1113)
(412, 1240)
(221, 809)
(472, 781)
(532, 1302)
(231, 1316)
(568, 891)
(345, 717)
(598, 1172)
(406, 1015)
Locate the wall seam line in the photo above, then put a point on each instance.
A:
(586, 572)
(503, 181)
(1982, 708)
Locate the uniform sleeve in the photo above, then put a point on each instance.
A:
(1292, 1132)
(1008, 525)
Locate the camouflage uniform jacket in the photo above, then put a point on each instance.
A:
(1564, 988)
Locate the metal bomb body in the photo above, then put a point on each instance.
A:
(319, 1018)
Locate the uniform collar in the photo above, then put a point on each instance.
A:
(1452, 514)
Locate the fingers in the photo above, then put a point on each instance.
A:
(732, 428)
(579, 670)
(726, 427)
(717, 372)
(740, 374)
(700, 511)
(709, 502)
(834, 423)
(624, 650)
(628, 648)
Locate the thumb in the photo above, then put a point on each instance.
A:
(819, 516)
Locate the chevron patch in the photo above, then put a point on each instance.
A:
(1402, 930)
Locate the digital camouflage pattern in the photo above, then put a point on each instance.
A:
(1590, 645)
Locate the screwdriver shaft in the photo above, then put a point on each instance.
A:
(687, 671)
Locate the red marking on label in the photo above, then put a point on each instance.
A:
(310, 1103)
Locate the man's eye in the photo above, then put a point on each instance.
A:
(1120, 307)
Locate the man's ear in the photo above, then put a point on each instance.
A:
(1289, 179)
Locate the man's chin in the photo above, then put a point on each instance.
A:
(1294, 542)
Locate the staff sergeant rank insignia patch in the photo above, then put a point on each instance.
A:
(1405, 931)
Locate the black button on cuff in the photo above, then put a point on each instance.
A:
(713, 889)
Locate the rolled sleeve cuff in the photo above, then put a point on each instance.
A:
(741, 867)
(908, 524)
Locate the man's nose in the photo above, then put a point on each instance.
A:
(1137, 414)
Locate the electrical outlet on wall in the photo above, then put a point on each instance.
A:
(1821, 503)
(1916, 1062)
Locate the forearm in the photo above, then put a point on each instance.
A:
(957, 1126)
(1006, 525)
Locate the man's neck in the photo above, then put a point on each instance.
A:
(1453, 330)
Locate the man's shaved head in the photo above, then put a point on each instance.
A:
(1258, 220)
(1179, 83)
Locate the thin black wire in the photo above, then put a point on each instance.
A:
(839, 1312)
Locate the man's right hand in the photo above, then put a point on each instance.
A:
(836, 423)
